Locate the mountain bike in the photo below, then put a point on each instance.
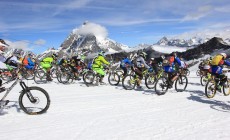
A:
(91, 77)
(211, 87)
(32, 100)
(130, 81)
(162, 84)
(205, 78)
(152, 78)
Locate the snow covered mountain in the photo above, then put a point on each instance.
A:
(86, 40)
(194, 41)
(181, 42)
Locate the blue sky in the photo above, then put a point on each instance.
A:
(40, 24)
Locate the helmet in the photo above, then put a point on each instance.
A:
(54, 55)
(144, 54)
(78, 57)
(152, 59)
(3, 43)
(174, 54)
(224, 55)
(102, 53)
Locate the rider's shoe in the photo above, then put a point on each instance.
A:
(170, 85)
(77, 78)
(102, 83)
(49, 79)
(2, 89)
(139, 87)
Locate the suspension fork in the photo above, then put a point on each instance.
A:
(28, 93)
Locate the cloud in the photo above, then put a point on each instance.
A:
(92, 28)
(200, 13)
(40, 42)
(23, 44)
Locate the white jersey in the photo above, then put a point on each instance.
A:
(2, 60)
(183, 65)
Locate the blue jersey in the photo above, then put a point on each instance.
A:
(125, 61)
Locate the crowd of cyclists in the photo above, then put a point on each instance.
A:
(161, 71)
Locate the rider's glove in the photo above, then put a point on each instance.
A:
(150, 69)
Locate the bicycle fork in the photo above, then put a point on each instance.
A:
(28, 93)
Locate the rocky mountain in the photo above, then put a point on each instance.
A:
(181, 42)
(211, 47)
(89, 43)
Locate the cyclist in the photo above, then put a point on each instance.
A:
(139, 66)
(98, 65)
(76, 62)
(169, 67)
(125, 62)
(13, 60)
(3, 45)
(30, 65)
(46, 64)
(216, 68)
(156, 62)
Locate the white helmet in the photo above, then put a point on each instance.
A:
(152, 59)
(143, 54)
(224, 55)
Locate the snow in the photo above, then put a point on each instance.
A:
(109, 112)
(168, 49)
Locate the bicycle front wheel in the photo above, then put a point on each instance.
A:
(203, 80)
(114, 79)
(181, 83)
(161, 86)
(89, 77)
(198, 72)
(129, 82)
(187, 72)
(40, 76)
(210, 89)
(150, 81)
(226, 88)
(34, 100)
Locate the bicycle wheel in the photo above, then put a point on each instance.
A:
(161, 86)
(210, 89)
(187, 72)
(113, 78)
(226, 88)
(40, 76)
(34, 100)
(53, 73)
(120, 73)
(129, 82)
(203, 80)
(181, 83)
(150, 81)
(89, 77)
(64, 77)
(198, 72)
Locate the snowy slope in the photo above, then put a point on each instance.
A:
(78, 112)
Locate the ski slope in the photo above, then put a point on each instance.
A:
(107, 112)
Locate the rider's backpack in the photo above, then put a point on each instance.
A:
(218, 59)
(168, 60)
(90, 64)
(25, 61)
